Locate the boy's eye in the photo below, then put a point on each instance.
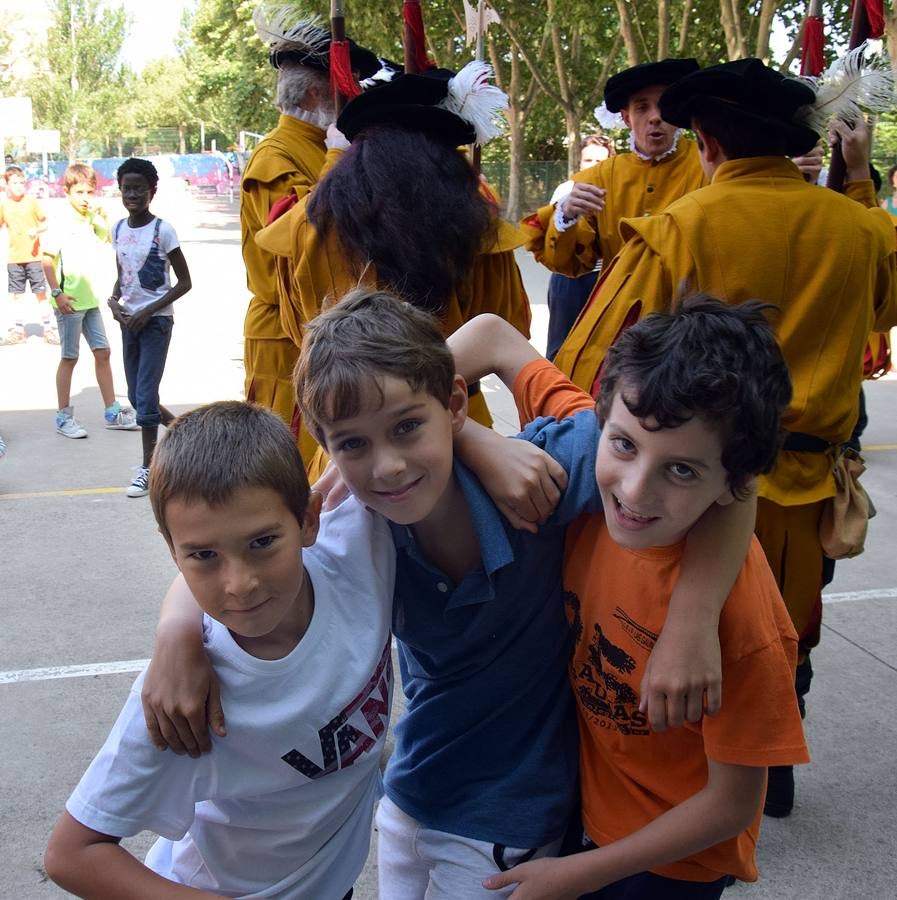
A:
(262, 543)
(683, 472)
(203, 555)
(350, 444)
(408, 426)
(622, 445)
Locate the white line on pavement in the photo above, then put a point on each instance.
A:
(109, 668)
(853, 596)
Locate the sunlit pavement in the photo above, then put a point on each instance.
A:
(82, 570)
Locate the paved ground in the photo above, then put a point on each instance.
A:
(82, 571)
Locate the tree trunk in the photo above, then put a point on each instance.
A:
(569, 103)
(182, 138)
(683, 28)
(516, 139)
(632, 51)
(731, 22)
(663, 28)
(764, 27)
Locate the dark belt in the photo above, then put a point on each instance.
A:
(806, 443)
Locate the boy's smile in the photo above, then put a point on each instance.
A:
(656, 484)
(242, 559)
(396, 453)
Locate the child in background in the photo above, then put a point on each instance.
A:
(72, 266)
(689, 409)
(297, 627)
(142, 299)
(26, 222)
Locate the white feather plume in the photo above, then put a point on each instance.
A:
(283, 26)
(607, 120)
(471, 97)
(384, 74)
(861, 81)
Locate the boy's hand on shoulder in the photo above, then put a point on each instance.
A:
(179, 710)
(525, 483)
(683, 678)
(543, 879)
(331, 487)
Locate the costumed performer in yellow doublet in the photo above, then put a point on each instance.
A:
(573, 235)
(404, 210)
(286, 163)
(755, 232)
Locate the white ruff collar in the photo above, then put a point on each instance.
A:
(664, 155)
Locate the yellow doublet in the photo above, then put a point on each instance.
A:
(314, 272)
(635, 187)
(290, 159)
(758, 231)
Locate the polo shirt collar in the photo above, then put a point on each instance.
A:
(492, 535)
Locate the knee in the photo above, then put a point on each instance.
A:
(67, 362)
(102, 356)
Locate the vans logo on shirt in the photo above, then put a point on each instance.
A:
(341, 741)
(598, 671)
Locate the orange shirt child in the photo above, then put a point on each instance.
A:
(22, 216)
(617, 603)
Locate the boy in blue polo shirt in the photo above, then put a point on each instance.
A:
(483, 775)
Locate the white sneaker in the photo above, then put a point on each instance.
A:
(124, 420)
(68, 426)
(139, 486)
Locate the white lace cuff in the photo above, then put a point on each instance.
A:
(561, 222)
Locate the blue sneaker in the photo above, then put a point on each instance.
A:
(68, 426)
(121, 419)
(139, 486)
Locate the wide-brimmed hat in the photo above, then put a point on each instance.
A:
(295, 38)
(749, 91)
(623, 85)
(460, 108)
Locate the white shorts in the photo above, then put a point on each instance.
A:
(418, 863)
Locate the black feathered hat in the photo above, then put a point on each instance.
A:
(749, 91)
(455, 108)
(623, 85)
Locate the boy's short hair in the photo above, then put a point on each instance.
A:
(708, 359)
(14, 170)
(368, 333)
(135, 166)
(79, 173)
(211, 452)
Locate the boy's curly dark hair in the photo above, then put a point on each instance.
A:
(135, 166)
(708, 359)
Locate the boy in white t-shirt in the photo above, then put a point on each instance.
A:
(141, 301)
(281, 807)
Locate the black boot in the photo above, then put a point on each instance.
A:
(779, 792)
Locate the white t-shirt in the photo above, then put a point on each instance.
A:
(282, 806)
(140, 287)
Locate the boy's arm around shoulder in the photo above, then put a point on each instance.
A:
(180, 693)
(91, 864)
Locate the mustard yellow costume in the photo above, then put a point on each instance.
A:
(313, 272)
(635, 187)
(289, 159)
(759, 231)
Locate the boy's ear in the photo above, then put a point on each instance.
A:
(312, 519)
(458, 403)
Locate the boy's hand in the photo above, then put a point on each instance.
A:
(331, 487)
(137, 321)
(683, 666)
(524, 482)
(64, 304)
(181, 701)
(542, 879)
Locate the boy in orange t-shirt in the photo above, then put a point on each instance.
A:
(26, 221)
(672, 814)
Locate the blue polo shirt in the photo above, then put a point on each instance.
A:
(487, 746)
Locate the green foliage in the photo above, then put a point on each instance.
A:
(81, 87)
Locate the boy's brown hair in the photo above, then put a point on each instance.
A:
(368, 333)
(14, 170)
(211, 452)
(79, 173)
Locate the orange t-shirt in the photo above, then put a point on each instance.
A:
(617, 603)
(20, 216)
